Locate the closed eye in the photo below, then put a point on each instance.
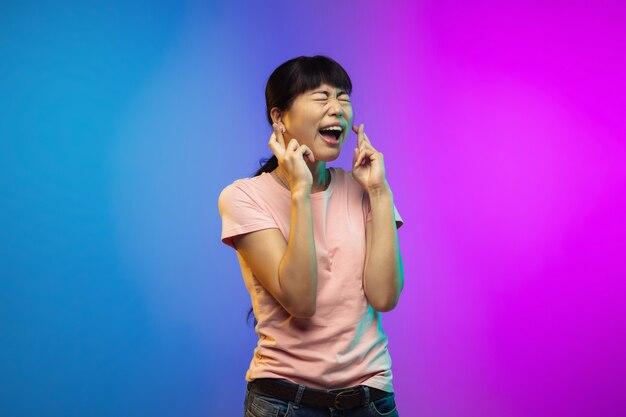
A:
(327, 94)
(326, 99)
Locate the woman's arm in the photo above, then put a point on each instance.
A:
(383, 278)
(288, 270)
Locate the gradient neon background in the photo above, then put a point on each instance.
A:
(504, 135)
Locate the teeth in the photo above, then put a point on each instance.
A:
(332, 128)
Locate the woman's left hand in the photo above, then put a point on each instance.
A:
(368, 167)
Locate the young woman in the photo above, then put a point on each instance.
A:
(319, 254)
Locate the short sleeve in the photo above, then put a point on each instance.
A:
(241, 213)
(367, 210)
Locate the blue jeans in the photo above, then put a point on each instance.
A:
(261, 405)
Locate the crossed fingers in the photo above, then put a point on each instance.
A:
(277, 141)
(364, 148)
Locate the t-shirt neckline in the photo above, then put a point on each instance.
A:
(319, 194)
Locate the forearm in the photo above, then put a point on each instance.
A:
(383, 275)
(297, 272)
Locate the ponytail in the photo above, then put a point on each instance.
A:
(267, 165)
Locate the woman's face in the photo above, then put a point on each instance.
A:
(315, 111)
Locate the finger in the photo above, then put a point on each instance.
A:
(293, 145)
(359, 157)
(359, 133)
(362, 141)
(354, 156)
(364, 156)
(307, 153)
(274, 140)
(366, 138)
(279, 134)
(365, 143)
(277, 150)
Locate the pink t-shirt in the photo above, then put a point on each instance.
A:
(343, 344)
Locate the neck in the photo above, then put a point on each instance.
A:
(319, 173)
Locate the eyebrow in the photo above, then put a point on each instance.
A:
(326, 92)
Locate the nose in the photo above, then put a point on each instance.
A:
(335, 108)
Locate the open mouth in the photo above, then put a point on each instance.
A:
(331, 134)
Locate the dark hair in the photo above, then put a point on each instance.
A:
(291, 79)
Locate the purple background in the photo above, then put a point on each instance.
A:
(503, 129)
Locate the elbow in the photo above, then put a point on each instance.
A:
(302, 307)
(302, 311)
(384, 292)
(299, 299)
(386, 306)
(384, 303)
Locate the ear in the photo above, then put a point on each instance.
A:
(277, 115)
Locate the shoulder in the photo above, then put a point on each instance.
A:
(244, 209)
(259, 191)
(234, 189)
(238, 191)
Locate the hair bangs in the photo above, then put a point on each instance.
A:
(318, 70)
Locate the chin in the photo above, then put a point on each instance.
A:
(327, 155)
(330, 158)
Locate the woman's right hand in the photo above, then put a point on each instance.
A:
(291, 159)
